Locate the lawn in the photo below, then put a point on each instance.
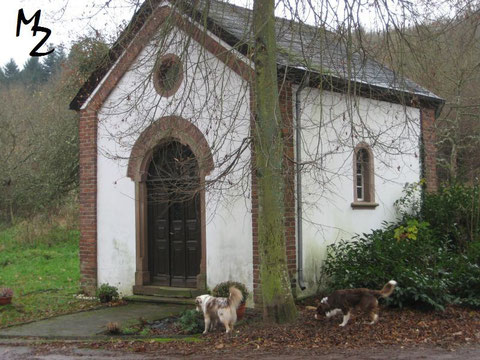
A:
(43, 273)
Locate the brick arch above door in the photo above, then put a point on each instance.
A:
(165, 129)
(168, 127)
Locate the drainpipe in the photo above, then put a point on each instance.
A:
(298, 159)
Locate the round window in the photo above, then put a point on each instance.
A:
(168, 75)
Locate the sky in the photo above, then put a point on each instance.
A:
(67, 19)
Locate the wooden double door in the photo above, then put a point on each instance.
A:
(174, 226)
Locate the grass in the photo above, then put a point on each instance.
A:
(43, 272)
(189, 339)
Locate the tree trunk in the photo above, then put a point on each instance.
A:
(277, 296)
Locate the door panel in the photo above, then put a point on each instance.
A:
(159, 243)
(177, 241)
(193, 243)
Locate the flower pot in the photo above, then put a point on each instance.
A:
(5, 300)
(241, 311)
(105, 298)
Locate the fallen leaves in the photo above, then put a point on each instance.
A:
(396, 327)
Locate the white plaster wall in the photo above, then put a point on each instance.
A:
(214, 99)
(332, 125)
(115, 225)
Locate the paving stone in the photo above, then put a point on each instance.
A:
(92, 323)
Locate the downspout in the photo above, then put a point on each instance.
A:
(298, 162)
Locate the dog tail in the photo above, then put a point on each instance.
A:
(235, 297)
(387, 289)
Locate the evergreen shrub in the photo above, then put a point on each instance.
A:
(432, 251)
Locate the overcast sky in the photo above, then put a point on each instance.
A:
(67, 19)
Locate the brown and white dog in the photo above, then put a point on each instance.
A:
(219, 308)
(343, 301)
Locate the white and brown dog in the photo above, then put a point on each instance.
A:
(343, 301)
(219, 308)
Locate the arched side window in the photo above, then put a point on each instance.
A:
(363, 178)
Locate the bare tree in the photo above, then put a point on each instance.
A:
(440, 50)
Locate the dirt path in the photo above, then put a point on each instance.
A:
(44, 352)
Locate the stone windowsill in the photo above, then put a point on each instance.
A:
(364, 205)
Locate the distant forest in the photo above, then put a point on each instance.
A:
(38, 132)
(34, 71)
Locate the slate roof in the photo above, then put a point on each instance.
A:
(323, 50)
(300, 47)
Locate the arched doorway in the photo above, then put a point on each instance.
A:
(173, 216)
(153, 139)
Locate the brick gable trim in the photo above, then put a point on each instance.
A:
(94, 98)
(241, 48)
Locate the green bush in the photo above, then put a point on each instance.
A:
(464, 276)
(407, 253)
(191, 322)
(433, 254)
(107, 293)
(223, 289)
(454, 212)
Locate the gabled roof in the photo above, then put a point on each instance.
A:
(300, 48)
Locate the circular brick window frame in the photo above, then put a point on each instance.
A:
(162, 66)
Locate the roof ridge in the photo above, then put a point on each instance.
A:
(299, 22)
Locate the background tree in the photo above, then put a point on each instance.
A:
(38, 134)
(443, 55)
(2, 76)
(52, 62)
(11, 71)
(33, 73)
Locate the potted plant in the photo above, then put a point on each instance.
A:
(5, 296)
(107, 293)
(223, 290)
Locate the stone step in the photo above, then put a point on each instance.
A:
(170, 292)
(159, 300)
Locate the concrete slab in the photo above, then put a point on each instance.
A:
(167, 292)
(92, 323)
